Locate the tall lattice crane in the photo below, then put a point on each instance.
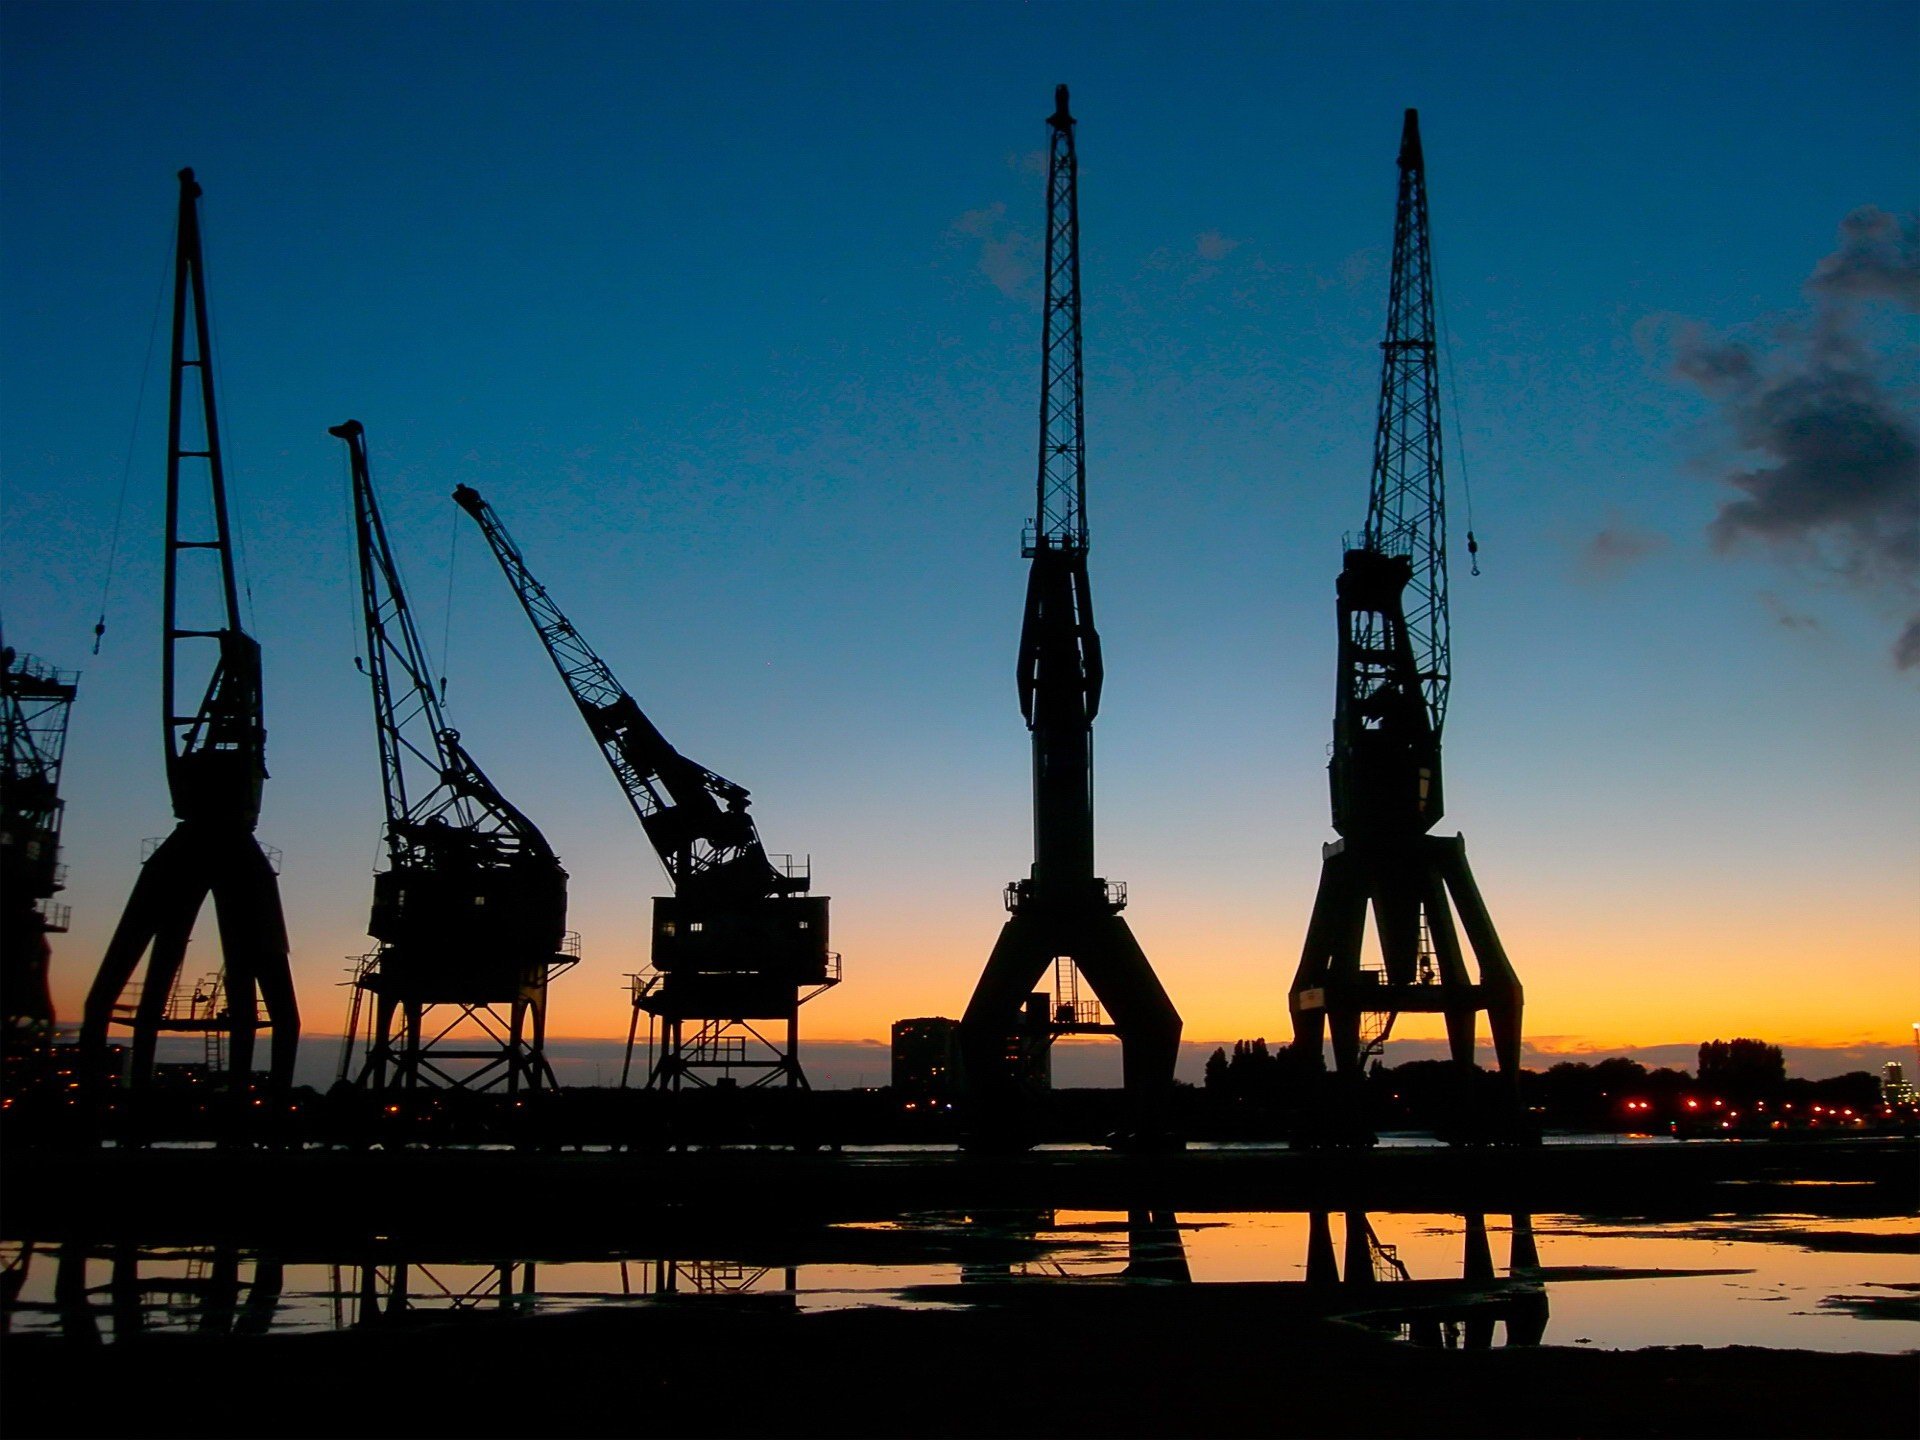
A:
(1390, 702)
(35, 701)
(739, 940)
(1063, 917)
(471, 910)
(216, 757)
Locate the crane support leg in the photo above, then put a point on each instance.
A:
(1504, 998)
(1118, 970)
(1453, 968)
(1359, 1247)
(1322, 1268)
(1020, 958)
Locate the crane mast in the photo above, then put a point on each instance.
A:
(215, 755)
(1392, 694)
(1390, 699)
(1063, 917)
(471, 911)
(739, 939)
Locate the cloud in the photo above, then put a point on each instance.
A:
(1786, 617)
(1878, 259)
(1615, 548)
(1822, 448)
(1212, 245)
(1009, 257)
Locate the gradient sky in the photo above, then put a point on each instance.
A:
(731, 312)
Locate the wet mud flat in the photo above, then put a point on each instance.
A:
(1004, 1332)
(1074, 1359)
(294, 1198)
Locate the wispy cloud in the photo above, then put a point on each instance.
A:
(1615, 548)
(1008, 255)
(1836, 489)
(1212, 245)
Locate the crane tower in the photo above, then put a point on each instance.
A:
(471, 911)
(739, 943)
(35, 700)
(1063, 917)
(1390, 701)
(216, 761)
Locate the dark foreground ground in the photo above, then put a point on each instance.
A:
(1049, 1358)
(1086, 1361)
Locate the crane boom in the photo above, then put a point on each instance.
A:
(696, 820)
(216, 753)
(412, 730)
(1406, 499)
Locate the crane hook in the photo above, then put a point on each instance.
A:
(1473, 553)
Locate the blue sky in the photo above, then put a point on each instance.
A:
(729, 311)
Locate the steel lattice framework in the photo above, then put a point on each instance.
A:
(35, 702)
(739, 939)
(1407, 503)
(216, 751)
(471, 913)
(1064, 918)
(1060, 509)
(697, 820)
(1385, 775)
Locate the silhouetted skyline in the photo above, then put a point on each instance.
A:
(735, 310)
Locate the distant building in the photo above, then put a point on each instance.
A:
(926, 1054)
(1894, 1088)
(926, 1060)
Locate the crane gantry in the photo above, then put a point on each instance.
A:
(1390, 702)
(471, 911)
(739, 941)
(216, 761)
(1063, 916)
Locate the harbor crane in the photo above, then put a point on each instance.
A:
(739, 942)
(471, 910)
(35, 702)
(216, 762)
(1390, 701)
(1063, 917)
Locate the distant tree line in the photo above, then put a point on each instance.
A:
(1258, 1086)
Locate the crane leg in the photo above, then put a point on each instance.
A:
(1020, 958)
(1322, 1268)
(1498, 982)
(1149, 1026)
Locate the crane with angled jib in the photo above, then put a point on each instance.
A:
(471, 910)
(740, 942)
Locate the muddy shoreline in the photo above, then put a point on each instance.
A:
(325, 1197)
(1089, 1361)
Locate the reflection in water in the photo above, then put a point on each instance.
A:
(707, 1277)
(1035, 1244)
(155, 1288)
(1437, 1280)
(1437, 1314)
(396, 1292)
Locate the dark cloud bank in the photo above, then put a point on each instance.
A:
(1837, 486)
